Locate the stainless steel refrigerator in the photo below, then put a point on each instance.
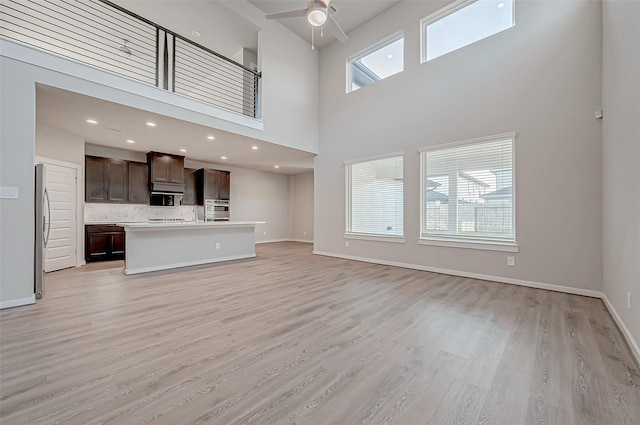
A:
(43, 227)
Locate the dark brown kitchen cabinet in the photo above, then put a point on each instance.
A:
(104, 242)
(138, 183)
(189, 196)
(212, 184)
(106, 180)
(166, 168)
(95, 171)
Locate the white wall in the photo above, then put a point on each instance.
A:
(17, 151)
(54, 143)
(540, 79)
(301, 205)
(620, 157)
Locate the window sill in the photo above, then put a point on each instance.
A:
(378, 238)
(482, 245)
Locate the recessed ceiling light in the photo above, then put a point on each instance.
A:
(151, 124)
(211, 138)
(276, 166)
(223, 157)
(390, 56)
(255, 148)
(130, 141)
(182, 150)
(501, 5)
(92, 121)
(195, 33)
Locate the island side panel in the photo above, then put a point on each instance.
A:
(150, 249)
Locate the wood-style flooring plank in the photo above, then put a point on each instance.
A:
(293, 338)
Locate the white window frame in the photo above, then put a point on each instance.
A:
(364, 52)
(444, 12)
(348, 234)
(461, 242)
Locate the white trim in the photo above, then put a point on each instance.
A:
(372, 237)
(17, 303)
(449, 10)
(633, 345)
(299, 240)
(186, 264)
(368, 50)
(474, 244)
(495, 138)
(79, 202)
(375, 158)
(528, 283)
(273, 241)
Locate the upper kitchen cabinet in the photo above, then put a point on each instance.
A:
(106, 180)
(212, 184)
(189, 197)
(166, 168)
(138, 183)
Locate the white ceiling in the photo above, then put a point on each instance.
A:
(351, 14)
(69, 111)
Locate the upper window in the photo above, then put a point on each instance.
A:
(462, 23)
(468, 192)
(376, 62)
(375, 197)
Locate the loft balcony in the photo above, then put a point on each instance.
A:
(106, 36)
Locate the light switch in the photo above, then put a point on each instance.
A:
(8, 192)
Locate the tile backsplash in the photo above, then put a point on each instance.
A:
(115, 213)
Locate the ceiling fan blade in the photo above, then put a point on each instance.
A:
(325, 2)
(289, 14)
(335, 30)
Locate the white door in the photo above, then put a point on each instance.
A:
(61, 248)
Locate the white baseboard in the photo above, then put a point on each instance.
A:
(17, 303)
(300, 240)
(633, 345)
(528, 283)
(273, 241)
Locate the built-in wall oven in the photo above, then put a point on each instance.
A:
(216, 210)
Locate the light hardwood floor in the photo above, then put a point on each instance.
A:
(293, 338)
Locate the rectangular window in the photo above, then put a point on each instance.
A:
(376, 63)
(462, 23)
(468, 192)
(375, 197)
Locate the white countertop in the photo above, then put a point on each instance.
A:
(188, 225)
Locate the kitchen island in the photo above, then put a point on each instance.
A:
(162, 246)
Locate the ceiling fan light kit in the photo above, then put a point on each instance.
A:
(318, 13)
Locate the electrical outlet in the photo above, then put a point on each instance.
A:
(217, 245)
(304, 233)
(346, 244)
(628, 300)
(264, 233)
(511, 261)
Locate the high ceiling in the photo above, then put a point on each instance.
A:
(118, 123)
(351, 14)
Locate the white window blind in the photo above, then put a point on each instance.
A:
(468, 191)
(375, 196)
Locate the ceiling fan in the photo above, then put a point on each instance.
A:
(318, 13)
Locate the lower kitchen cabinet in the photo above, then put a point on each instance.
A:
(104, 243)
